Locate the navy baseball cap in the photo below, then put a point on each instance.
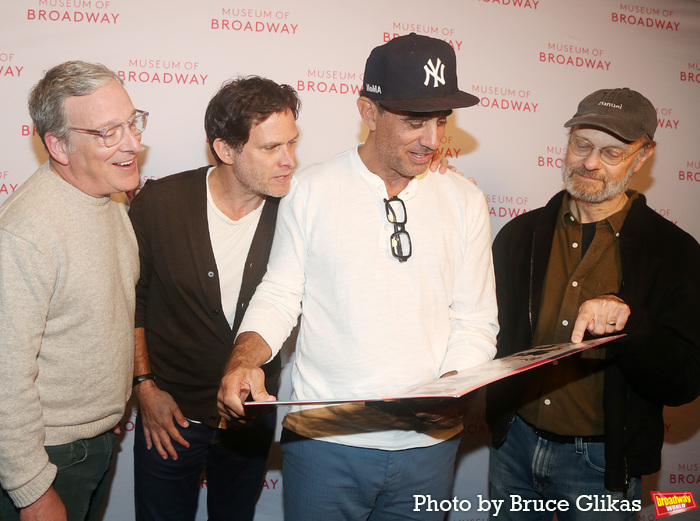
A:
(415, 73)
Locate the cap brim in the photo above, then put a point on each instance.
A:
(453, 101)
(623, 130)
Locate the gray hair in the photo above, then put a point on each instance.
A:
(72, 78)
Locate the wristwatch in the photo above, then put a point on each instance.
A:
(142, 378)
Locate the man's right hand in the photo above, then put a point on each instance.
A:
(48, 507)
(158, 413)
(243, 376)
(238, 383)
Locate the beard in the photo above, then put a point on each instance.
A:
(261, 182)
(579, 189)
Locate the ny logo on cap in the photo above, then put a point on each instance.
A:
(432, 70)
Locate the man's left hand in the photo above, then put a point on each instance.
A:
(601, 315)
(441, 165)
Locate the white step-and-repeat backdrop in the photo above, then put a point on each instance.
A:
(530, 61)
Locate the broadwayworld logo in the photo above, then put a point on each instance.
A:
(669, 503)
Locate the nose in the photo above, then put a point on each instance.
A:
(132, 141)
(432, 134)
(592, 161)
(287, 156)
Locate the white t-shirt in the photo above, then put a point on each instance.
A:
(231, 242)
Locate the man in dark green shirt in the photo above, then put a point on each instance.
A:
(595, 260)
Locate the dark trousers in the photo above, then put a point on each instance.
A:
(81, 480)
(233, 461)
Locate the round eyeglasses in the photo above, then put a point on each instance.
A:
(609, 155)
(113, 135)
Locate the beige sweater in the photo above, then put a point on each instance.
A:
(68, 268)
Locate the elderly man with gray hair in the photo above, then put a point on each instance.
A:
(595, 260)
(68, 268)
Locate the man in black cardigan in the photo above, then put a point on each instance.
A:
(576, 436)
(204, 239)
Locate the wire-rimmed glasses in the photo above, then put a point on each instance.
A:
(612, 156)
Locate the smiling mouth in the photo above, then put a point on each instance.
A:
(126, 163)
(589, 177)
(421, 155)
(583, 173)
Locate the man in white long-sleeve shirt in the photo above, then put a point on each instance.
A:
(391, 271)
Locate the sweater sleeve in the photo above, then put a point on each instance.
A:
(26, 285)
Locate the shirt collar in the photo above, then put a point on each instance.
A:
(615, 221)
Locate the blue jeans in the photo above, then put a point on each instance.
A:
(234, 461)
(81, 479)
(528, 467)
(326, 481)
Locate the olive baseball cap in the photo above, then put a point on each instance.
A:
(622, 112)
(415, 73)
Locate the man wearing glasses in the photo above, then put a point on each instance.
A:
(595, 260)
(390, 268)
(68, 267)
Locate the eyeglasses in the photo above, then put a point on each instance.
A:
(400, 240)
(609, 155)
(113, 135)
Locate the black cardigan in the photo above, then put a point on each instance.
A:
(656, 364)
(178, 299)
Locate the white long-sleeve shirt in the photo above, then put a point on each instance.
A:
(371, 325)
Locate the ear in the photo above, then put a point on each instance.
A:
(224, 151)
(368, 112)
(648, 152)
(57, 148)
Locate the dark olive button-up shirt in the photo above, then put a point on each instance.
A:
(566, 397)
